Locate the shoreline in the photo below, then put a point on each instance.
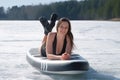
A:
(112, 19)
(115, 19)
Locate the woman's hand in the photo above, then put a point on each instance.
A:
(65, 56)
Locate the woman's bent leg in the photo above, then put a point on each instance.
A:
(43, 50)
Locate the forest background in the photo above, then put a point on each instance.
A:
(73, 9)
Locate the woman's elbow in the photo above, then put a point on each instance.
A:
(49, 56)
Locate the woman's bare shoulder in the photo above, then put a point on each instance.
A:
(51, 36)
(67, 37)
(51, 33)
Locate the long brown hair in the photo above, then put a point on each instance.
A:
(69, 33)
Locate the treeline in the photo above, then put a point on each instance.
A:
(73, 9)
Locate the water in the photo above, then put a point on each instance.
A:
(96, 41)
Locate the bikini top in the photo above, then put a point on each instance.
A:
(55, 43)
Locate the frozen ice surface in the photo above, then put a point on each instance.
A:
(96, 41)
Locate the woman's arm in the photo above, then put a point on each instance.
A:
(49, 50)
(66, 55)
(68, 46)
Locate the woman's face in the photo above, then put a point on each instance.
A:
(63, 28)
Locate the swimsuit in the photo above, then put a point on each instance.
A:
(55, 43)
(43, 48)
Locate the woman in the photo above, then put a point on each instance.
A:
(58, 45)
